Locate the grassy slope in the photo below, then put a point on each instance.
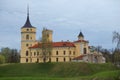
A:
(56, 70)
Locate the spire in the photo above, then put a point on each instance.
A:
(27, 10)
(27, 24)
(80, 34)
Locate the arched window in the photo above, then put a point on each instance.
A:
(27, 45)
(37, 60)
(85, 50)
(49, 59)
(70, 59)
(56, 52)
(64, 59)
(56, 59)
(64, 52)
(27, 29)
(73, 52)
(27, 37)
(47, 35)
(26, 59)
(26, 53)
(69, 52)
(34, 53)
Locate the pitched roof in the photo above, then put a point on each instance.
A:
(79, 57)
(63, 44)
(27, 23)
(56, 44)
(80, 34)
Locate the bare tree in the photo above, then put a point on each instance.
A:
(116, 39)
(46, 46)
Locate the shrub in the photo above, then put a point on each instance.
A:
(2, 59)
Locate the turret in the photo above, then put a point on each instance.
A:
(80, 36)
(47, 34)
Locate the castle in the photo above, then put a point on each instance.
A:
(63, 51)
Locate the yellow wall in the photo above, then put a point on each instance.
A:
(26, 42)
(36, 54)
(70, 52)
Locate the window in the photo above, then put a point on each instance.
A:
(27, 45)
(47, 35)
(70, 59)
(56, 52)
(26, 60)
(56, 59)
(69, 52)
(37, 53)
(34, 53)
(26, 53)
(27, 29)
(73, 52)
(64, 52)
(49, 59)
(37, 60)
(31, 37)
(27, 37)
(31, 29)
(64, 59)
(85, 50)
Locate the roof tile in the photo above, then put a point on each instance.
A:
(56, 44)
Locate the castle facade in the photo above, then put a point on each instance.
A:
(63, 51)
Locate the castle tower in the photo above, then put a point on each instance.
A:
(81, 45)
(28, 38)
(47, 34)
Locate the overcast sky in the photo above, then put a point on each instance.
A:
(97, 19)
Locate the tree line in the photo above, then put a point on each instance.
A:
(8, 55)
(112, 55)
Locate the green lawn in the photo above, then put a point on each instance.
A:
(59, 71)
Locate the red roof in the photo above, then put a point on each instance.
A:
(78, 57)
(81, 41)
(57, 44)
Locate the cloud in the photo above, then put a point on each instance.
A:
(96, 18)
